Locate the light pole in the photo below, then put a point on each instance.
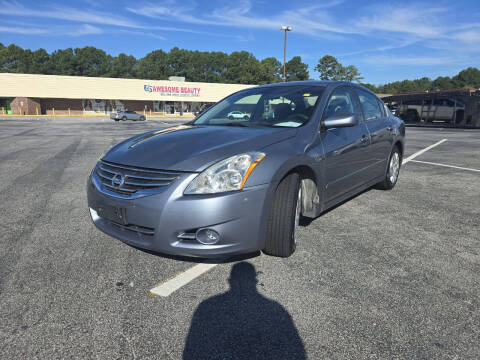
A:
(285, 28)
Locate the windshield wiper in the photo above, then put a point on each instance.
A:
(234, 124)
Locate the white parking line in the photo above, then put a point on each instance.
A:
(418, 153)
(169, 286)
(445, 165)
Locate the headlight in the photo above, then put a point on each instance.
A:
(226, 175)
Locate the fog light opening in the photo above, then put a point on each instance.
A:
(207, 236)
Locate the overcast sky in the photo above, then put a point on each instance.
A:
(386, 40)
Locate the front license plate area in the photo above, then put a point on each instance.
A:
(112, 213)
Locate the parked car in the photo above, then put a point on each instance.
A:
(430, 110)
(126, 115)
(232, 115)
(216, 187)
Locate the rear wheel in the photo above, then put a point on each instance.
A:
(124, 118)
(412, 116)
(142, 118)
(393, 170)
(284, 218)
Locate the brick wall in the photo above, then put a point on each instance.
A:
(61, 106)
(25, 106)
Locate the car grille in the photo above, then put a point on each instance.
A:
(128, 181)
(139, 230)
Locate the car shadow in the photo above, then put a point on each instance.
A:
(242, 324)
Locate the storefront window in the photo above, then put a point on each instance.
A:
(158, 106)
(169, 107)
(102, 106)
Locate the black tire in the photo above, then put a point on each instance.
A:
(142, 118)
(459, 117)
(124, 118)
(280, 239)
(246, 118)
(230, 118)
(412, 116)
(387, 183)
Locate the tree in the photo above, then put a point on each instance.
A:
(330, 69)
(216, 65)
(90, 61)
(40, 62)
(271, 71)
(123, 66)
(370, 86)
(242, 68)
(469, 77)
(350, 73)
(14, 59)
(154, 65)
(296, 70)
(62, 62)
(442, 83)
(239, 67)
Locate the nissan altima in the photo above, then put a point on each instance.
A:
(220, 186)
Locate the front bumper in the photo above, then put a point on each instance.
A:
(155, 222)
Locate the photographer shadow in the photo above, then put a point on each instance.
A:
(242, 324)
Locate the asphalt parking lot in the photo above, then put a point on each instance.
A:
(387, 275)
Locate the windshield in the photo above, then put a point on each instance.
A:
(282, 106)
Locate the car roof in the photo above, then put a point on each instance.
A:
(324, 83)
(306, 82)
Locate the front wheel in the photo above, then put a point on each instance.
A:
(284, 218)
(393, 170)
(142, 118)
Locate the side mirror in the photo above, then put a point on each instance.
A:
(340, 120)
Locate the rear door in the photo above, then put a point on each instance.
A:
(345, 149)
(380, 133)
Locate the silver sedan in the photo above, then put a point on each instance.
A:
(218, 187)
(127, 115)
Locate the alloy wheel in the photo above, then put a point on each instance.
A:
(298, 209)
(394, 168)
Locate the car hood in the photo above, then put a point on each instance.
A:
(193, 148)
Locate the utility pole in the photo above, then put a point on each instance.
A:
(285, 29)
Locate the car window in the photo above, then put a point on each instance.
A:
(341, 102)
(369, 103)
(381, 105)
(283, 106)
(412, 102)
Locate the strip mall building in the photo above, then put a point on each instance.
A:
(32, 94)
